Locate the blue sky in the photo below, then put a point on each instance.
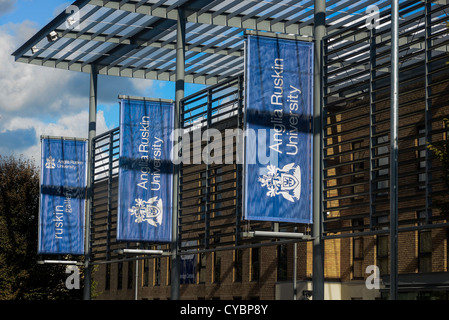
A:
(44, 101)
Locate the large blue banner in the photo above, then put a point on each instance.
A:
(278, 147)
(63, 196)
(145, 171)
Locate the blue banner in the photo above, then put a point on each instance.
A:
(63, 196)
(279, 136)
(145, 171)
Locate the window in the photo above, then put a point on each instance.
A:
(357, 258)
(357, 250)
(425, 251)
(217, 198)
(383, 163)
(168, 271)
(108, 277)
(217, 180)
(383, 222)
(202, 268)
(421, 155)
(424, 244)
(130, 275)
(255, 265)
(119, 275)
(201, 261)
(202, 200)
(146, 275)
(382, 254)
(238, 265)
(421, 217)
(358, 168)
(217, 261)
(157, 272)
(282, 263)
(357, 225)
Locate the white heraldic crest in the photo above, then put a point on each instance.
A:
(283, 182)
(148, 211)
(50, 164)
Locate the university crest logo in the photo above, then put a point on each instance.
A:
(50, 163)
(150, 211)
(285, 181)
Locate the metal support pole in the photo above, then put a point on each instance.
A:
(372, 129)
(295, 263)
(180, 76)
(92, 133)
(428, 112)
(136, 289)
(394, 111)
(295, 267)
(318, 245)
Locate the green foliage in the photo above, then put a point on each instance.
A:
(441, 152)
(21, 278)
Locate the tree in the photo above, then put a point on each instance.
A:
(21, 278)
(441, 152)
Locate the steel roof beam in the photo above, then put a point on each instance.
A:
(85, 53)
(152, 59)
(289, 9)
(142, 55)
(197, 47)
(117, 71)
(141, 42)
(208, 17)
(85, 17)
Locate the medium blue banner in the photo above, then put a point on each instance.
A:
(145, 171)
(279, 136)
(63, 196)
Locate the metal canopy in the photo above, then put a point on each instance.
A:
(137, 38)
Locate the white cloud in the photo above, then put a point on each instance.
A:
(48, 92)
(49, 101)
(7, 6)
(37, 101)
(73, 126)
(32, 89)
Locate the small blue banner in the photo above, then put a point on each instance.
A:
(279, 133)
(188, 262)
(145, 171)
(62, 197)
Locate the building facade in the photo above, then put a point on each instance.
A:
(265, 269)
(355, 185)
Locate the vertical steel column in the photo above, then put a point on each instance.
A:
(110, 187)
(238, 161)
(136, 276)
(207, 205)
(394, 112)
(295, 267)
(372, 130)
(428, 102)
(318, 245)
(90, 177)
(180, 76)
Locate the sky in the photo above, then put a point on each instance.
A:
(36, 101)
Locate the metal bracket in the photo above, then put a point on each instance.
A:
(272, 234)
